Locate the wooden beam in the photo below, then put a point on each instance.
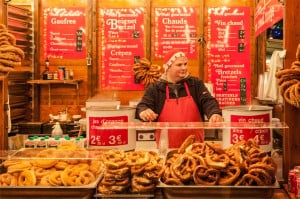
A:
(291, 114)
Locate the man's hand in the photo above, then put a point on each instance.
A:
(148, 115)
(216, 118)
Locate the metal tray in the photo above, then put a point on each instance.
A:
(129, 195)
(50, 192)
(216, 192)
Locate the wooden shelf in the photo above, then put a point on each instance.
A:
(41, 81)
(75, 82)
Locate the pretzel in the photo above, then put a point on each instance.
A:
(286, 85)
(229, 175)
(249, 179)
(9, 48)
(262, 175)
(44, 181)
(106, 189)
(11, 38)
(85, 178)
(22, 166)
(215, 147)
(7, 179)
(183, 167)
(118, 182)
(198, 148)
(173, 181)
(138, 158)
(205, 176)
(188, 141)
(217, 161)
(290, 98)
(55, 178)
(141, 185)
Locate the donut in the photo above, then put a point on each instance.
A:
(27, 178)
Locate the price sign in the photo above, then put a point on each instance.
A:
(262, 136)
(100, 137)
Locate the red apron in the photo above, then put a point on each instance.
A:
(183, 109)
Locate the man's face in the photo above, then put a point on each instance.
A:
(178, 70)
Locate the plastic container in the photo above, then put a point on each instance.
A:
(249, 113)
(79, 142)
(106, 138)
(41, 143)
(29, 143)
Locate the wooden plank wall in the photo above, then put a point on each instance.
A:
(62, 96)
(292, 114)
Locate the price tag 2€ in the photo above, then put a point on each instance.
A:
(107, 137)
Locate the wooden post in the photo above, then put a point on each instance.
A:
(3, 116)
(291, 114)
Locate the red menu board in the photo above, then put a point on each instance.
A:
(175, 28)
(122, 45)
(267, 13)
(100, 137)
(64, 33)
(228, 54)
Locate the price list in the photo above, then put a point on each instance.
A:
(100, 137)
(64, 33)
(228, 54)
(175, 28)
(262, 136)
(122, 33)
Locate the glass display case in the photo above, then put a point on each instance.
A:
(235, 165)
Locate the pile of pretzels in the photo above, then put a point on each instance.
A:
(10, 55)
(289, 82)
(130, 172)
(209, 164)
(145, 72)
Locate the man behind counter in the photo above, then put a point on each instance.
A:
(178, 97)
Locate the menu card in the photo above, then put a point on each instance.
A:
(64, 33)
(122, 33)
(175, 28)
(228, 54)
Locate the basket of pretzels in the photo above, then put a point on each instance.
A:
(208, 169)
(289, 82)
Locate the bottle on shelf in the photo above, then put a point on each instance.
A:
(46, 72)
(29, 143)
(57, 131)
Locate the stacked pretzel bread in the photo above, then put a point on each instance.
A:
(289, 82)
(145, 72)
(208, 164)
(10, 56)
(136, 172)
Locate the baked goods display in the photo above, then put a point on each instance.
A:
(208, 164)
(10, 55)
(130, 172)
(289, 82)
(65, 166)
(145, 72)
